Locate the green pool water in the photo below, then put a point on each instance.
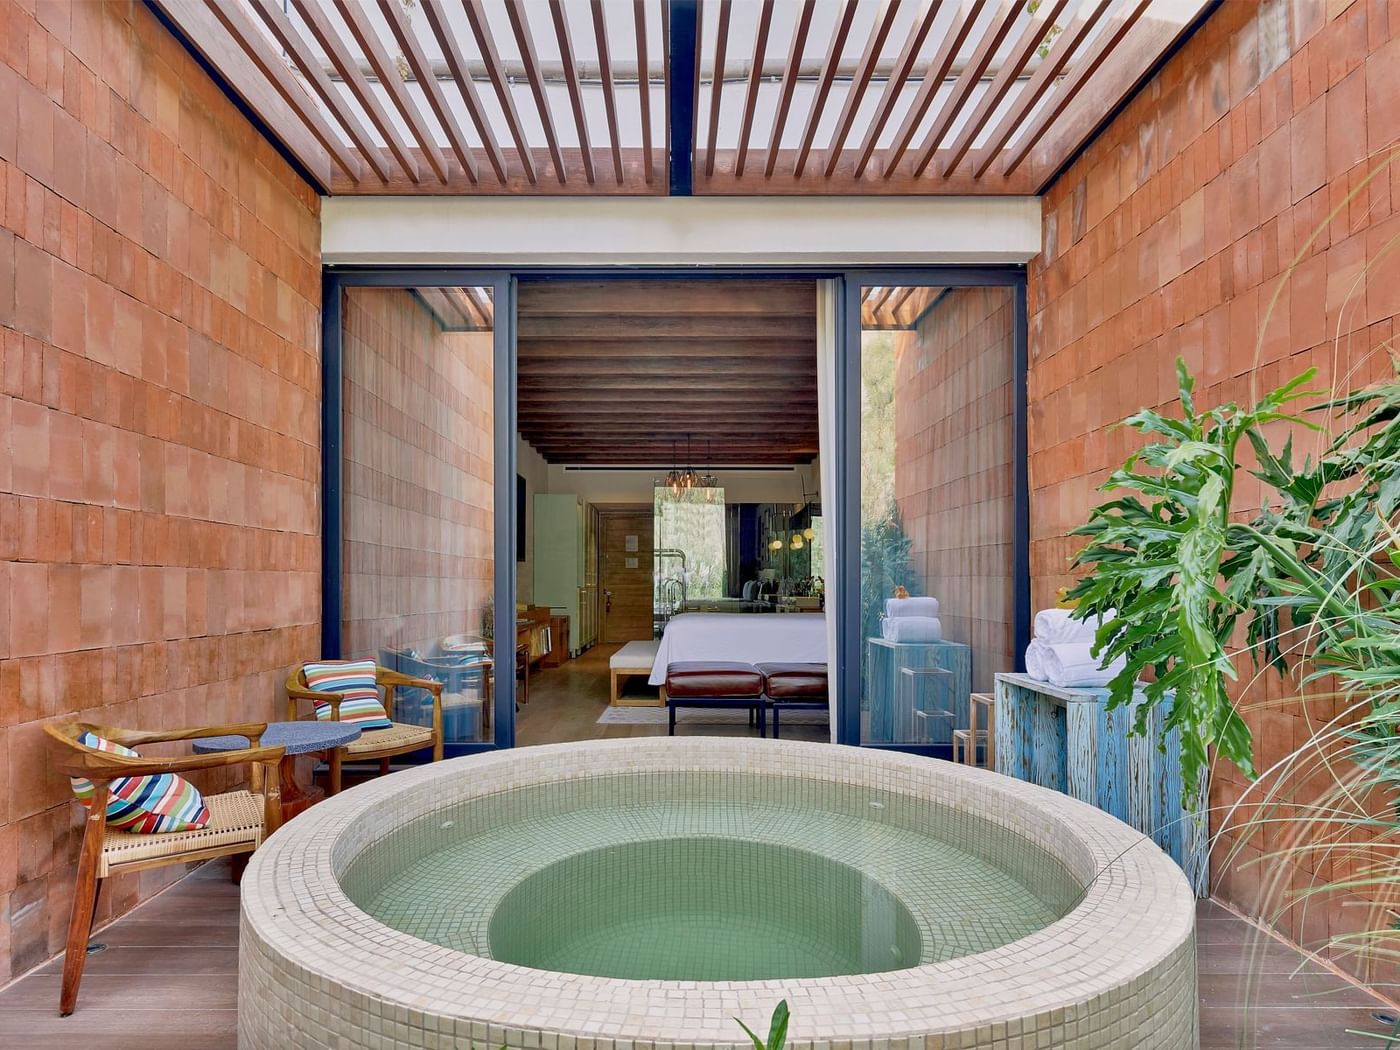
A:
(704, 877)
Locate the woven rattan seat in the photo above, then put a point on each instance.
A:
(238, 820)
(373, 741)
(381, 744)
(235, 817)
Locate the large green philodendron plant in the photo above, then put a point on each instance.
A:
(1173, 576)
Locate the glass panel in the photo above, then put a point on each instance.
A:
(418, 492)
(689, 547)
(937, 437)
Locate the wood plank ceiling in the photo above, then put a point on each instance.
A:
(575, 96)
(624, 372)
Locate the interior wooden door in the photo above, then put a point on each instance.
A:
(625, 579)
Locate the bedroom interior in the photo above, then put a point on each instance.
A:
(668, 471)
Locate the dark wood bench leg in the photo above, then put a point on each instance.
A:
(671, 718)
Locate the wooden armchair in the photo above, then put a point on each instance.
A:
(381, 744)
(239, 821)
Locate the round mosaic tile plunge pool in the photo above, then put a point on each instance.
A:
(642, 894)
(709, 877)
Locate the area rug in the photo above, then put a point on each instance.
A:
(699, 716)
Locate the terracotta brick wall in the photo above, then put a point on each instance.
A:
(952, 466)
(1172, 235)
(159, 430)
(418, 484)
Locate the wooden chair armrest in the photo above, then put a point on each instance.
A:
(136, 737)
(334, 699)
(398, 678)
(104, 765)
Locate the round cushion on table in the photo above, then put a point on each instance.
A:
(299, 738)
(716, 679)
(795, 681)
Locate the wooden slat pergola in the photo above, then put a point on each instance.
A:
(577, 96)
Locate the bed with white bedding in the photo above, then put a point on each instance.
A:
(745, 637)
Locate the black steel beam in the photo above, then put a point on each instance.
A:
(684, 35)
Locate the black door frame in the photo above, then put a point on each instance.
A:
(845, 534)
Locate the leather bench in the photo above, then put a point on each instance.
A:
(715, 683)
(794, 687)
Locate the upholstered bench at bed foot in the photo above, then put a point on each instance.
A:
(794, 687)
(715, 683)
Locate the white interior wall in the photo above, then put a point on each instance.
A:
(532, 467)
(635, 486)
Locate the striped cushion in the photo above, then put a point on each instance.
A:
(145, 805)
(355, 681)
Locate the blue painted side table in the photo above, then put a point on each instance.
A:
(1068, 740)
(299, 738)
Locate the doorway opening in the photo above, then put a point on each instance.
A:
(669, 447)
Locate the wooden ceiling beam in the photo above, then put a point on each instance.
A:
(314, 74)
(860, 82)
(600, 37)
(649, 460)
(833, 61)
(660, 327)
(542, 387)
(657, 368)
(466, 87)
(639, 28)
(1030, 41)
(468, 306)
(1080, 74)
(207, 36)
(717, 84)
(971, 76)
(367, 37)
(314, 16)
(525, 44)
(760, 48)
(789, 85)
(428, 83)
(894, 87)
(257, 48)
(571, 81)
(937, 72)
(486, 45)
(662, 437)
(788, 298)
(1042, 81)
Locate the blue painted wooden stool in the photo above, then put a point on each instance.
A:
(1068, 740)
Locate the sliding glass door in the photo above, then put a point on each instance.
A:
(417, 380)
(923, 532)
(934, 481)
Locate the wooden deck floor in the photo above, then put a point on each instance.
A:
(168, 979)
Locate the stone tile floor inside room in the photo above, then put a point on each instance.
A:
(168, 980)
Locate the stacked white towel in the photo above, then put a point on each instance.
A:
(1060, 652)
(1071, 665)
(911, 620)
(911, 607)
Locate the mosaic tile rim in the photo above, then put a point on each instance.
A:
(1125, 947)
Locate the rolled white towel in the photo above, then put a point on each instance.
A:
(1057, 627)
(911, 607)
(1035, 660)
(1071, 665)
(911, 629)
